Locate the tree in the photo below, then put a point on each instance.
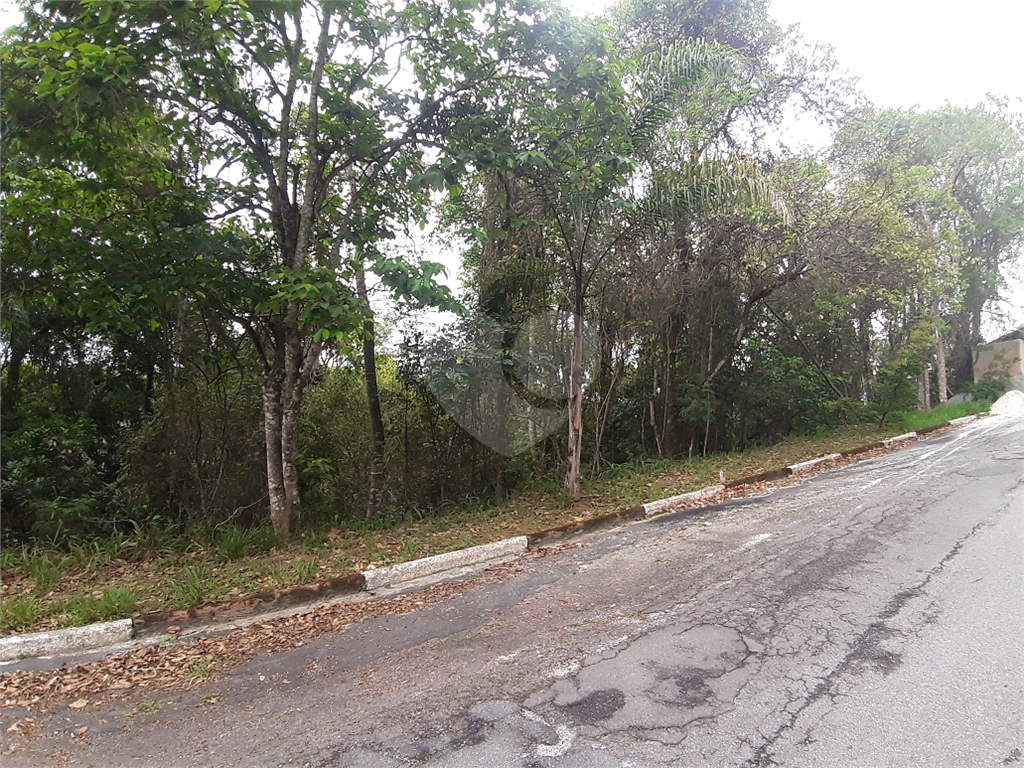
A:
(305, 129)
(979, 154)
(922, 184)
(576, 191)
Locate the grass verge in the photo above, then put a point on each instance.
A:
(915, 420)
(45, 590)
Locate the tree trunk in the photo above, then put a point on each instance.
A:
(378, 437)
(285, 379)
(292, 363)
(272, 429)
(602, 414)
(572, 474)
(924, 391)
(289, 452)
(940, 364)
(13, 389)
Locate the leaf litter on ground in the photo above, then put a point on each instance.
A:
(172, 665)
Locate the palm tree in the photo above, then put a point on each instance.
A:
(583, 190)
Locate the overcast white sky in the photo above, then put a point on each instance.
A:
(905, 52)
(919, 52)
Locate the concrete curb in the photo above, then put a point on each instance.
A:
(60, 641)
(104, 634)
(157, 622)
(654, 507)
(760, 477)
(803, 466)
(378, 578)
(887, 441)
(569, 530)
(965, 419)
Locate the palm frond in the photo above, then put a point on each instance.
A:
(707, 185)
(661, 76)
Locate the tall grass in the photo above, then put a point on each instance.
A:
(914, 420)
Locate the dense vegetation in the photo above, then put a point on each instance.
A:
(206, 202)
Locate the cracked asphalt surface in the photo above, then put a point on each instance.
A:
(869, 616)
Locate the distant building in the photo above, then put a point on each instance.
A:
(1000, 358)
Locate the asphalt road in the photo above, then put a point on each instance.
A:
(870, 616)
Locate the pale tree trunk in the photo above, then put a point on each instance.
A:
(572, 473)
(275, 469)
(284, 383)
(293, 362)
(651, 411)
(291, 403)
(531, 425)
(602, 415)
(378, 437)
(924, 391)
(940, 365)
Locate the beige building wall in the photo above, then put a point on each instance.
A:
(998, 359)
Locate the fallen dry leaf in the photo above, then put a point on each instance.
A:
(167, 666)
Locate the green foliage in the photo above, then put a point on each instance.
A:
(592, 166)
(777, 395)
(192, 587)
(197, 461)
(234, 542)
(12, 557)
(262, 540)
(409, 550)
(895, 390)
(113, 603)
(914, 420)
(990, 389)
(846, 410)
(52, 485)
(197, 670)
(18, 613)
(306, 570)
(45, 573)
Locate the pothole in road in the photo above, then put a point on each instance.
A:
(599, 705)
(665, 679)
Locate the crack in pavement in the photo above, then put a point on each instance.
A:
(864, 650)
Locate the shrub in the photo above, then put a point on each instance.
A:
(52, 486)
(847, 410)
(233, 542)
(192, 588)
(990, 388)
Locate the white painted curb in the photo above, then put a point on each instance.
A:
(964, 420)
(60, 641)
(899, 438)
(376, 578)
(653, 507)
(805, 465)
